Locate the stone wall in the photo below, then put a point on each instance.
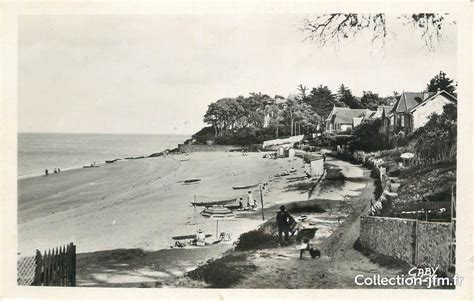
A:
(433, 244)
(192, 148)
(423, 244)
(389, 236)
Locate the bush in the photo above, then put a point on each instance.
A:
(256, 239)
(223, 272)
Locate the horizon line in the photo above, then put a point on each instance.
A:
(99, 133)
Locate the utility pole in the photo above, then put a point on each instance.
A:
(261, 201)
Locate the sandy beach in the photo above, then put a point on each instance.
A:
(142, 203)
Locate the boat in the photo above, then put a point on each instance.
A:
(191, 181)
(111, 161)
(209, 204)
(89, 166)
(185, 159)
(190, 236)
(232, 207)
(245, 186)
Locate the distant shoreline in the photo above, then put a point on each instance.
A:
(34, 154)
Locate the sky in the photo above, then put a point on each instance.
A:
(157, 74)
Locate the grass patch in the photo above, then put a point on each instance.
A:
(255, 240)
(223, 272)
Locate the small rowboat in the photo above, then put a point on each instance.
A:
(190, 236)
(245, 186)
(185, 159)
(111, 161)
(90, 166)
(209, 204)
(191, 181)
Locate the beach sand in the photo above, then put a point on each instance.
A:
(142, 203)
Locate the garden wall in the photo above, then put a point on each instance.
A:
(389, 236)
(433, 244)
(424, 244)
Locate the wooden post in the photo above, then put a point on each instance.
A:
(217, 228)
(38, 269)
(73, 265)
(261, 201)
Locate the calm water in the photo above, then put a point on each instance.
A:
(39, 151)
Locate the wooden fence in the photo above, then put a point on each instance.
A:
(57, 267)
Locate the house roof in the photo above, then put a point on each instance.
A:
(409, 100)
(345, 115)
(381, 112)
(444, 93)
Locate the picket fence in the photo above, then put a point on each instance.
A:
(55, 267)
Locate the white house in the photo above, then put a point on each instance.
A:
(434, 104)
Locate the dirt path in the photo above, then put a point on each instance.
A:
(337, 267)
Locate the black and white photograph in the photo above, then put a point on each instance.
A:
(214, 146)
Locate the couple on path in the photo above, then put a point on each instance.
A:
(284, 221)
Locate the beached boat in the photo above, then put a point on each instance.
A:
(111, 161)
(190, 236)
(245, 186)
(90, 166)
(191, 181)
(209, 204)
(184, 159)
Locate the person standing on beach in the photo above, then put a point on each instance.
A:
(283, 223)
(59, 170)
(249, 197)
(241, 205)
(46, 172)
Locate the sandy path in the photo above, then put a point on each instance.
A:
(139, 203)
(339, 262)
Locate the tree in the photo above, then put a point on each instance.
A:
(332, 28)
(366, 137)
(441, 82)
(321, 100)
(344, 95)
(370, 100)
(436, 140)
(303, 92)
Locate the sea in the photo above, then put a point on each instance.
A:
(38, 151)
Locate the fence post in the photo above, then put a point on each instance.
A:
(73, 282)
(416, 243)
(38, 269)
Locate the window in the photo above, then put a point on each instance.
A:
(402, 120)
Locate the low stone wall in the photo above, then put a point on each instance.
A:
(433, 244)
(193, 148)
(423, 244)
(389, 236)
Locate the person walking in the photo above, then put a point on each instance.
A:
(283, 222)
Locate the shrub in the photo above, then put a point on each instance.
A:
(223, 272)
(256, 239)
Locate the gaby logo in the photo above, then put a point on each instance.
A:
(423, 272)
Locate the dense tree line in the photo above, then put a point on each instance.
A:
(259, 117)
